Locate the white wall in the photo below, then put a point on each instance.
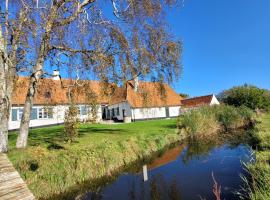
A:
(58, 117)
(214, 101)
(175, 111)
(122, 106)
(148, 113)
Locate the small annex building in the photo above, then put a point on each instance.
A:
(196, 102)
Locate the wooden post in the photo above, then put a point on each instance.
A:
(145, 175)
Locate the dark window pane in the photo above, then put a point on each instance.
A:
(14, 114)
(34, 113)
(83, 110)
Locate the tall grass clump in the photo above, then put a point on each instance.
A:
(213, 119)
(231, 117)
(199, 121)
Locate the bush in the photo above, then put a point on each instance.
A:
(211, 119)
(246, 95)
(71, 123)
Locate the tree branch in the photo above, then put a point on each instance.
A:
(68, 49)
(76, 14)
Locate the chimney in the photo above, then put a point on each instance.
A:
(136, 83)
(56, 76)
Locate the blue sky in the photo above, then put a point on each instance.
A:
(226, 43)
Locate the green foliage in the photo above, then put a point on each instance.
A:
(247, 95)
(229, 117)
(184, 95)
(71, 123)
(199, 121)
(211, 119)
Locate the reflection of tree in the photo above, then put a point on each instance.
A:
(198, 147)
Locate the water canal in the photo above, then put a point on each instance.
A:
(185, 172)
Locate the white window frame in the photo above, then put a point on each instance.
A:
(44, 112)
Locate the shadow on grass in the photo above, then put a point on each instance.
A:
(170, 126)
(53, 137)
(90, 130)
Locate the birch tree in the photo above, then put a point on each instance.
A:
(11, 44)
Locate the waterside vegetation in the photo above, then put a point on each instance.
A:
(259, 186)
(209, 120)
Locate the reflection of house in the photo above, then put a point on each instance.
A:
(143, 100)
(168, 157)
(199, 101)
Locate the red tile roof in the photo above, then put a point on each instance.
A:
(49, 91)
(197, 101)
(152, 94)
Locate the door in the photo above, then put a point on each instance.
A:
(167, 112)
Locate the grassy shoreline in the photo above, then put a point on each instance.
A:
(53, 168)
(259, 187)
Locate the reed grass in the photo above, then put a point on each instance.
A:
(208, 120)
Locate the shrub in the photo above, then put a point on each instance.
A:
(246, 95)
(71, 123)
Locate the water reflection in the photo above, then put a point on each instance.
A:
(185, 172)
(156, 189)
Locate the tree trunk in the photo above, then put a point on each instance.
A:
(25, 121)
(37, 72)
(4, 109)
(5, 95)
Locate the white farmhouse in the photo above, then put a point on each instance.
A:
(136, 101)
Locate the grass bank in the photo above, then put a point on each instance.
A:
(52, 167)
(208, 120)
(260, 170)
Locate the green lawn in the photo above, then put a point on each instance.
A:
(260, 170)
(51, 166)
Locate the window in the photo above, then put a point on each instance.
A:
(45, 113)
(16, 114)
(83, 110)
(113, 112)
(117, 111)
